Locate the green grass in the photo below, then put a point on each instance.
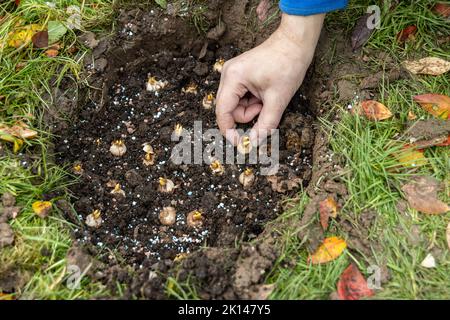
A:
(365, 148)
(23, 92)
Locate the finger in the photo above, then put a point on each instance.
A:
(246, 114)
(230, 93)
(268, 119)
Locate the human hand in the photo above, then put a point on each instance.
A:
(263, 80)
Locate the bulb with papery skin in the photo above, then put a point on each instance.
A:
(117, 191)
(247, 177)
(166, 185)
(168, 216)
(190, 89)
(94, 220)
(118, 148)
(195, 219)
(245, 145)
(216, 167)
(219, 65)
(154, 85)
(209, 101)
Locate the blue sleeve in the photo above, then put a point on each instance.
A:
(310, 7)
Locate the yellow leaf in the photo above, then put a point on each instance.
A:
(375, 110)
(21, 36)
(411, 157)
(329, 250)
(42, 208)
(430, 66)
(436, 104)
(18, 143)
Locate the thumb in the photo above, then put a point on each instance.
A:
(269, 118)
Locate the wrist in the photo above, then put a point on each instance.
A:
(300, 32)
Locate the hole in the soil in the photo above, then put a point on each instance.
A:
(131, 214)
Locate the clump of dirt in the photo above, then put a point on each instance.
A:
(149, 44)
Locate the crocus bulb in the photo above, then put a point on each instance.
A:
(178, 130)
(166, 185)
(191, 88)
(118, 148)
(219, 65)
(247, 177)
(94, 220)
(118, 191)
(168, 216)
(149, 159)
(245, 146)
(208, 101)
(77, 168)
(155, 85)
(180, 256)
(216, 167)
(147, 148)
(195, 219)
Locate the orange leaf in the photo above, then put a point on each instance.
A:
(42, 208)
(436, 104)
(51, 53)
(327, 209)
(421, 194)
(19, 130)
(406, 34)
(352, 285)
(445, 143)
(329, 250)
(375, 110)
(442, 9)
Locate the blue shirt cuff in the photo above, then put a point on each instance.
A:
(310, 7)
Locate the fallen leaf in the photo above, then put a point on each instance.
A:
(17, 2)
(375, 110)
(262, 9)
(444, 143)
(429, 262)
(20, 130)
(42, 208)
(435, 104)
(411, 157)
(430, 66)
(361, 33)
(51, 53)
(329, 250)
(352, 285)
(407, 34)
(17, 143)
(421, 194)
(447, 233)
(442, 9)
(6, 235)
(40, 39)
(411, 116)
(6, 296)
(21, 36)
(327, 209)
(428, 133)
(55, 31)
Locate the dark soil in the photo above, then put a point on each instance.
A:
(126, 110)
